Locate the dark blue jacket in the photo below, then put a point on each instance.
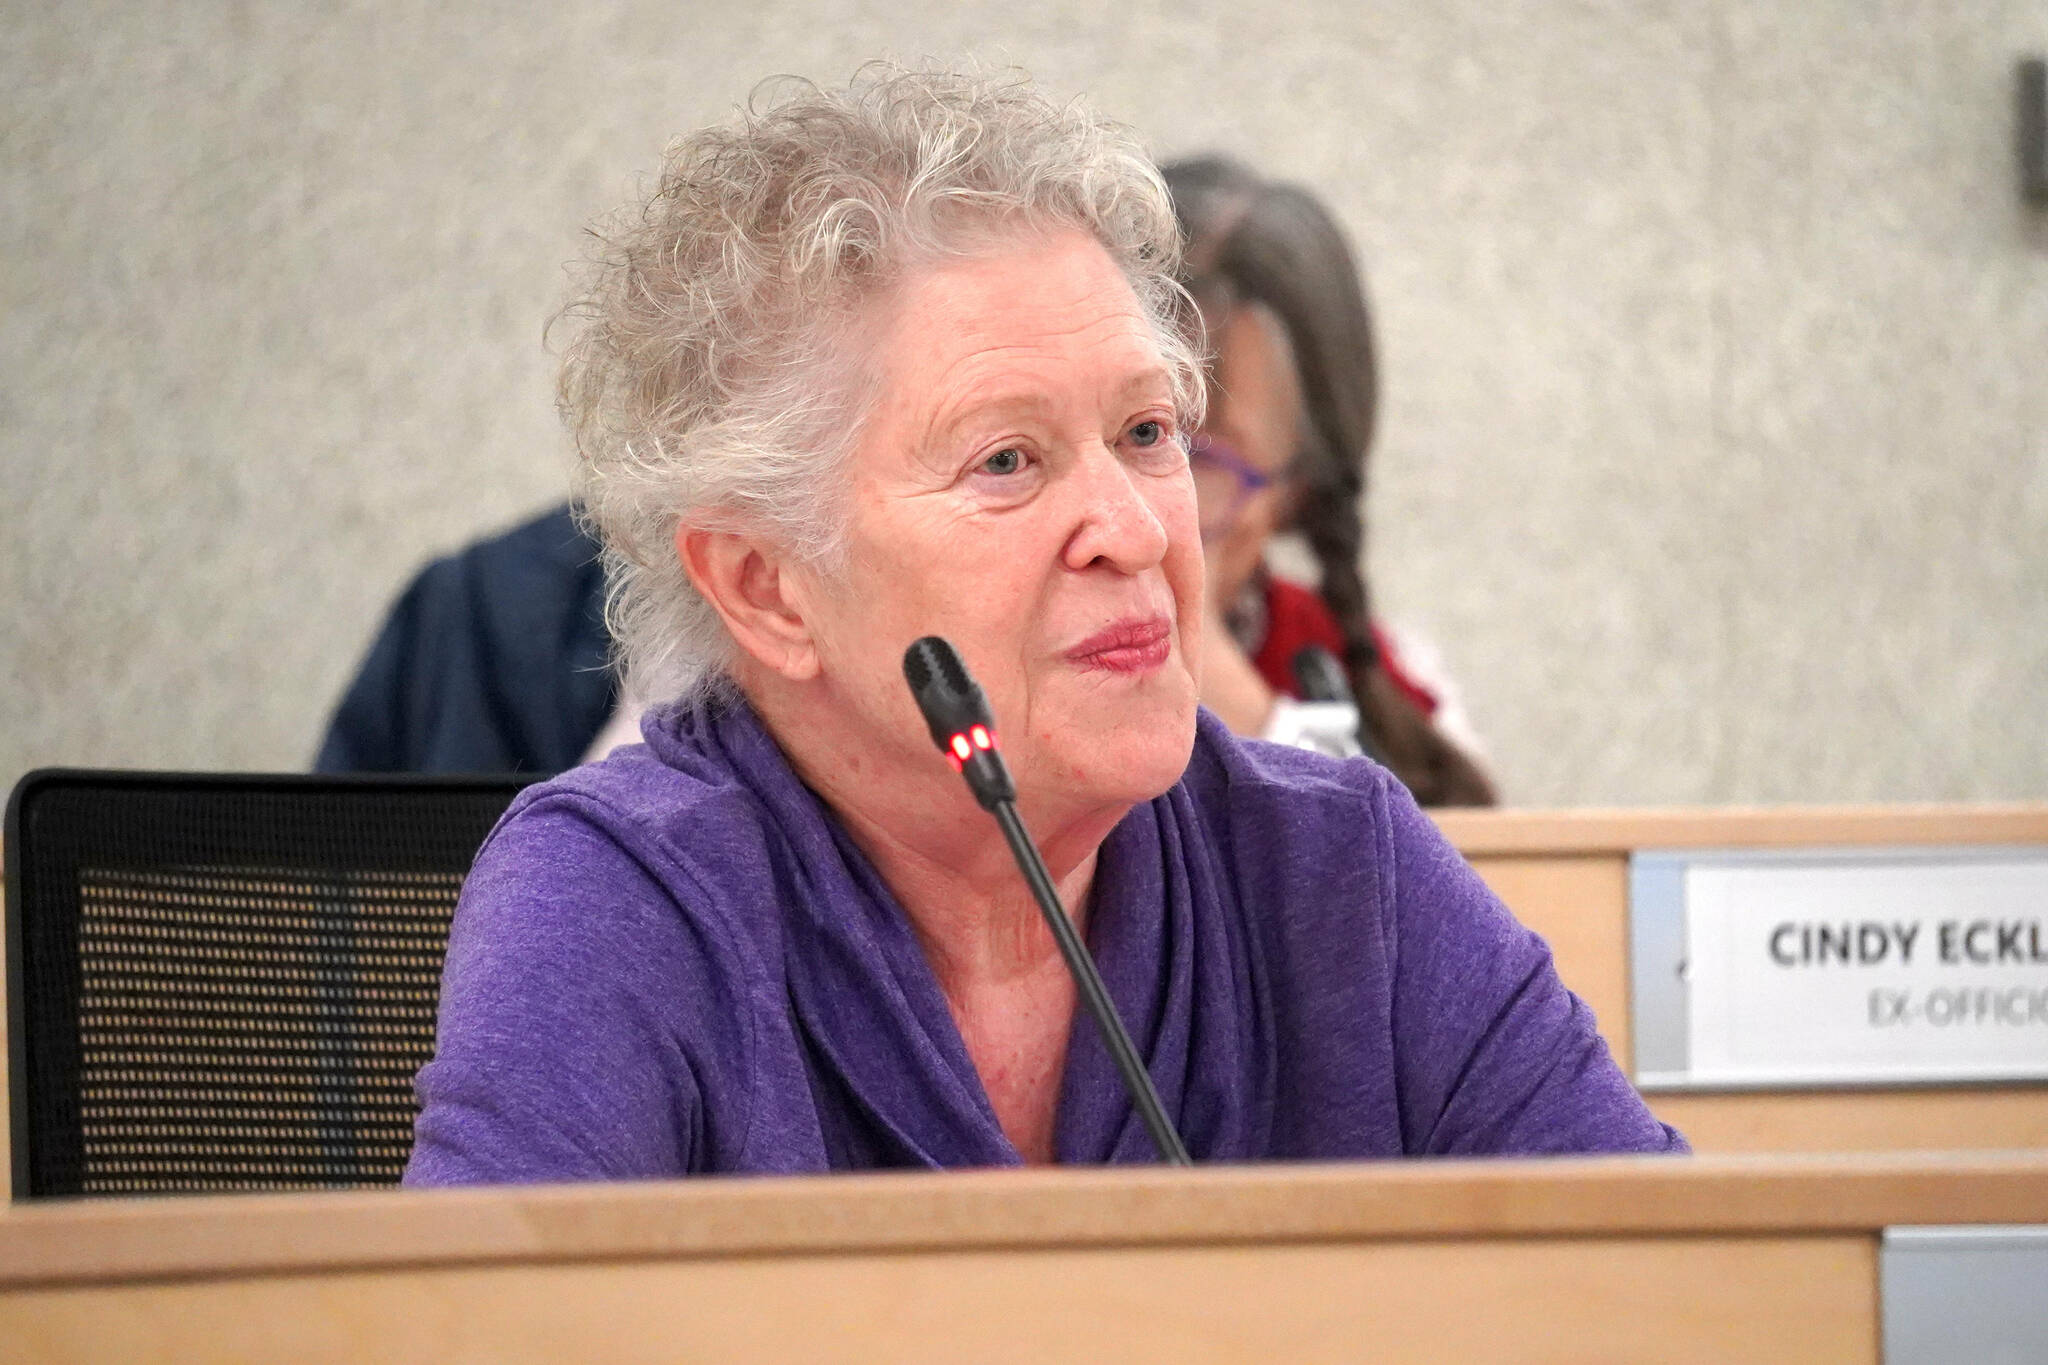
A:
(495, 659)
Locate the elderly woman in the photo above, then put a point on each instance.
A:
(908, 359)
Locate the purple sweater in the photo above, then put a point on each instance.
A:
(677, 961)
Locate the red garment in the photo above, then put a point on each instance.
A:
(1295, 619)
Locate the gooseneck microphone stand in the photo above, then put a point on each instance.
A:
(964, 728)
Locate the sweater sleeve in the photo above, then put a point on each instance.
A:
(577, 1009)
(1494, 1054)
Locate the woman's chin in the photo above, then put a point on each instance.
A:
(1130, 748)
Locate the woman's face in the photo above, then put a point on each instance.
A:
(1020, 488)
(1254, 417)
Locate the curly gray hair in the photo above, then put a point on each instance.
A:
(701, 385)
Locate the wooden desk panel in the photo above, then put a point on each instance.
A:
(104, 1241)
(1491, 833)
(1565, 875)
(1711, 1259)
(1720, 1300)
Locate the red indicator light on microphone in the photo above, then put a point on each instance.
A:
(960, 749)
(982, 738)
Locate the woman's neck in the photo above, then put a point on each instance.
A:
(940, 853)
(994, 958)
(975, 918)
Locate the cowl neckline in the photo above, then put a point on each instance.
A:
(890, 1072)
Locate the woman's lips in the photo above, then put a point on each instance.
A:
(1138, 645)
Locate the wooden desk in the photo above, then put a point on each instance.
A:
(1565, 874)
(1727, 1259)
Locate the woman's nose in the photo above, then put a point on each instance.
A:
(1118, 523)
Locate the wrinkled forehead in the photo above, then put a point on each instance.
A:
(1048, 313)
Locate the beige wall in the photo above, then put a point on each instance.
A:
(1716, 439)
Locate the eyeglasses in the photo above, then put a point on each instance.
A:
(1224, 482)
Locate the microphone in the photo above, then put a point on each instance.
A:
(957, 714)
(963, 727)
(1320, 676)
(1322, 679)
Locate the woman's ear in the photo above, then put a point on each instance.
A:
(762, 603)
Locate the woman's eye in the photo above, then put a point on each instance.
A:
(1006, 461)
(1149, 433)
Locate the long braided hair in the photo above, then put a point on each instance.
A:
(1251, 239)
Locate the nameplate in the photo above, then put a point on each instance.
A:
(1849, 967)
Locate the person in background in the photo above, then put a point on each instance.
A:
(496, 658)
(1283, 449)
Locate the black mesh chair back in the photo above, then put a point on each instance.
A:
(226, 982)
